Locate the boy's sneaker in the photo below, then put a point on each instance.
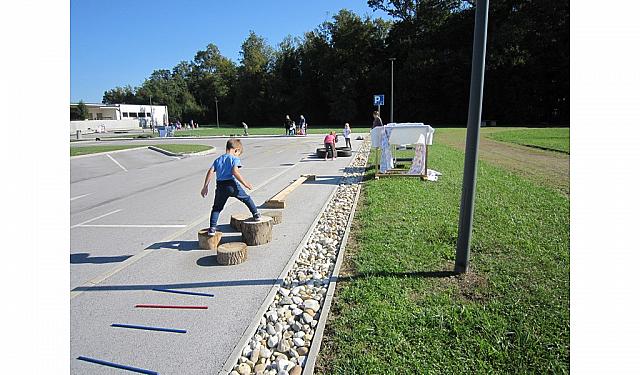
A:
(211, 232)
(257, 217)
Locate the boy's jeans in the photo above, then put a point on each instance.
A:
(224, 190)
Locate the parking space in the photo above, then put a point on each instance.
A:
(92, 166)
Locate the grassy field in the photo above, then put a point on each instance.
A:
(228, 131)
(556, 139)
(398, 310)
(175, 148)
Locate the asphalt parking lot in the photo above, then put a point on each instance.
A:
(134, 228)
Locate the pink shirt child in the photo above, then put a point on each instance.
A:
(329, 138)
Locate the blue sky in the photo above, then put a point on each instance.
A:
(118, 43)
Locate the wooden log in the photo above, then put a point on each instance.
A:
(277, 201)
(207, 242)
(257, 232)
(238, 218)
(231, 253)
(276, 215)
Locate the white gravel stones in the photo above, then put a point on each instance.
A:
(297, 341)
(273, 341)
(265, 353)
(312, 304)
(283, 338)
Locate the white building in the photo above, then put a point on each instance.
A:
(120, 117)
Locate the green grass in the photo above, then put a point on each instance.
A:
(175, 148)
(228, 131)
(556, 139)
(510, 314)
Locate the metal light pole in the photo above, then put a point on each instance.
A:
(217, 122)
(151, 122)
(465, 224)
(150, 111)
(392, 60)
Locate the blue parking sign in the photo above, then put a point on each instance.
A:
(378, 100)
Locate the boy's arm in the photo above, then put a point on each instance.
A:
(207, 180)
(238, 176)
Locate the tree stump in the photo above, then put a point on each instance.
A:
(231, 253)
(207, 242)
(237, 219)
(275, 215)
(257, 232)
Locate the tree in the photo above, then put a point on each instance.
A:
(81, 112)
(252, 96)
(211, 77)
(330, 74)
(120, 95)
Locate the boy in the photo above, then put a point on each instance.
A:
(227, 167)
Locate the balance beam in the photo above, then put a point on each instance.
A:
(277, 201)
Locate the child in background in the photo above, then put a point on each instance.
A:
(330, 145)
(246, 128)
(347, 134)
(228, 175)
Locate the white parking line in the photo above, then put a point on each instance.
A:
(132, 225)
(95, 218)
(115, 161)
(79, 196)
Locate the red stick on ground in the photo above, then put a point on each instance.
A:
(172, 307)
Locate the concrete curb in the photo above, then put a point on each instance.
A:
(203, 137)
(107, 152)
(169, 153)
(310, 362)
(107, 139)
(255, 323)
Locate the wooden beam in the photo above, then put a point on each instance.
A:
(277, 201)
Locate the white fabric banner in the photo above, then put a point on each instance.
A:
(403, 133)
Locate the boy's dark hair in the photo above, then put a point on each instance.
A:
(234, 143)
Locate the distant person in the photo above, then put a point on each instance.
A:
(228, 179)
(302, 125)
(330, 145)
(347, 134)
(377, 121)
(292, 127)
(246, 128)
(287, 125)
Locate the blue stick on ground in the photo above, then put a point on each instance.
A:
(149, 328)
(111, 364)
(182, 292)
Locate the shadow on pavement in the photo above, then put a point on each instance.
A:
(176, 245)
(324, 180)
(79, 258)
(208, 284)
(208, 261)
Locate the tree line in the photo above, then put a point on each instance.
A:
(331, 73)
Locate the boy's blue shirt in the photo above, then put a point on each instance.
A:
(223, 166)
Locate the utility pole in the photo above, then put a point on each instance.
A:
(465, 223)
(392, 60)
(217, 122)
(150, 111)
